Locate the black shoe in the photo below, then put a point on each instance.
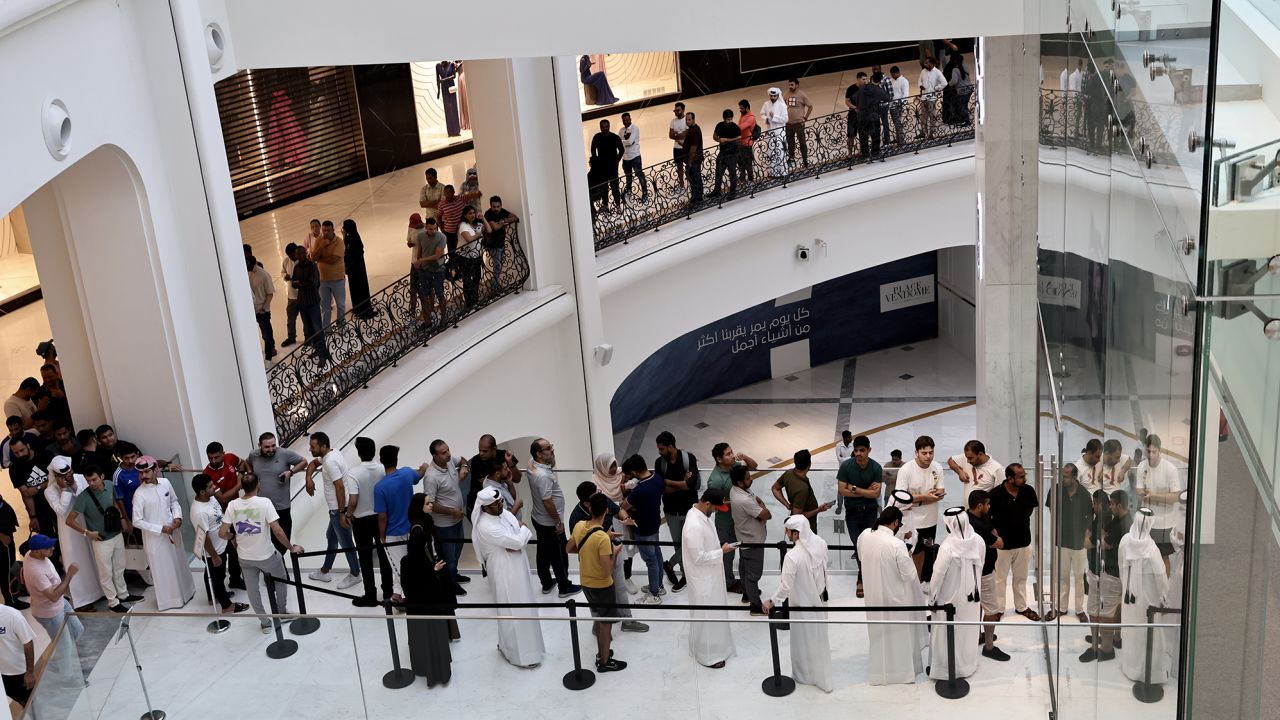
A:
(570, 591)
(611, 666)
(133, 598)
(546, 589)
(1089, 656)
(678, 585)
(239, 607)
(671, 573)
(119, 608)
(982, 641)
(1114, 643)
(735, 586)
(288, 342)
(995, 653)
(365, 602)
(459, 590)
(463, 579)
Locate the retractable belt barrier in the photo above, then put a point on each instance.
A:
(1145, 690)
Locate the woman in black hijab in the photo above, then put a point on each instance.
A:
(357, 276)
(428, 590)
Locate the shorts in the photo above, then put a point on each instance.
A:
(430, 281)
(987, 590)
(16, 688)
(924, 539)
(1104, 595)
(1164, 540)
(680, 155)
(852, 121)
(604, 603)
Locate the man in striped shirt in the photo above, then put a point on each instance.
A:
(451, 207)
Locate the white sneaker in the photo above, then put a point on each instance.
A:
(662, 590)
(648, 599)
(348, 581)
(631, 587)
(320, 576)
(266, 629)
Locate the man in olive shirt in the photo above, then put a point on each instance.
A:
(799, 496)
(858, 482)
(719, 479)
(86, 517)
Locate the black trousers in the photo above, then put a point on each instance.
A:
(286, 524)
(218, 579)
(365, 530)
(553, 559)
(235, 577)
(869, 135)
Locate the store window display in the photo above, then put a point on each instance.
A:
(624, 77)
(440, 98)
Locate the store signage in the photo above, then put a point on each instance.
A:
(1059, 291)
(906, 293)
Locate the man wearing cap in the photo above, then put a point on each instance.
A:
(500, 542)
(61, 492)
(710, 643)
(158, 514)
(803, 579)
(49, 604)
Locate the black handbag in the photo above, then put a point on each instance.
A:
(111, 521)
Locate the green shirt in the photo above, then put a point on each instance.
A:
(718, 479)
(800, 494)
(93, 520)
(851, 474)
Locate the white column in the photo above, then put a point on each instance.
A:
(1007, 177)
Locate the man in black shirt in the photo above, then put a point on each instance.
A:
(1012, 504)
(496, 220)
(1104, 556)
(606, 153)
(979, 520)
(30, 479)
(1074, 512)
(8, 531)
(679, 472)
(871, 97)
(727, 133)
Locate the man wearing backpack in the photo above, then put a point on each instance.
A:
(102, 524)
(679, 472)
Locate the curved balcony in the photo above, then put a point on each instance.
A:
(328, 367)
(915, 123)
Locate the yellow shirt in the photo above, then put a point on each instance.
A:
(591, 554)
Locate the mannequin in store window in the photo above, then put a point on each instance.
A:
(464, 108)
(447, 92)
(595, 83)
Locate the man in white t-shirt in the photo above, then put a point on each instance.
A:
(210, 546)
(844, 451)
(334, 476)
(1115, 466)
(922, 477)
(679, 127)
(17, 654)
(1090, 466)
(1158, 488)
(632, 164)
(932, 83)
(446, 484)
(977, 469)
(291, 307)
(364, 522)
(901, 90)
(253, 521)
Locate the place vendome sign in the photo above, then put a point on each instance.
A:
(906, 293)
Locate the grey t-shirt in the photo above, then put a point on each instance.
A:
(442, 487)
(367, 475)
(268, 469)
(428, 245)
(542, 485)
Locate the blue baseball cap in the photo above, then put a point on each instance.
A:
(41, 542)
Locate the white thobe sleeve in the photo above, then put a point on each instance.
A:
(175, 507)
(139, 514)
(714, 556)
(60, 500)
(902, 560)
(786, 581)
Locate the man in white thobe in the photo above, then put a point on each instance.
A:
(956, 574)
(889, 579)
(902, 500)
(500, 541)
(1173, 593)
(157, 512)
(710, 643)
(803, 578)
(773, 113)
(61, 492)
(1145, 584)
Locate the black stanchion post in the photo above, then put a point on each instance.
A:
(953, 688)
(577, 678)
(777, 684)
(1144, 690)
(303, 625)
(397, 677)
(282, 647)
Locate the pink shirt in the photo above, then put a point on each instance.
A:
(39, 574)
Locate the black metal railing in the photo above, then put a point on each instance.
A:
(331, 365)
(1086, 121)
(778, 157)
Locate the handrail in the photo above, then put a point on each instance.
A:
(330, 366)
(777, 159)
(1048, 365)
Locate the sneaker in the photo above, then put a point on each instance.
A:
(1114, 643)
(348, 581)
(132, 598)
(320, 576)
(647, 599)
(611, 666)
(288, 342)
(735, 587)
(678, 585)
(1090, 655)
(570, 591)
(634, 626)
(266, 629)
(631, 587)
(119, 608)
(460, 591)
(995, 653)
(239, 607)
(546, 589)
(463, 579)
(662, 590)
(982, 641)
(670, 571)
(365, 601)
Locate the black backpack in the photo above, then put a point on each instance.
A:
(110, 515)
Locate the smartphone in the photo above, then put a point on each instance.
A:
(735, 544)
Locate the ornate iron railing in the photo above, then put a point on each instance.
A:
(328, 367)
(776, 159)
(1077, 119)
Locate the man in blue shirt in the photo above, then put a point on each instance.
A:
(645, 505)
(126, 480)
(391, 498)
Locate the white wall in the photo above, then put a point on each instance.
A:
(957, 294)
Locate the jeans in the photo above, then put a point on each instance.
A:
(218, 579)
(895, 113)
(675, 523)
(396, 553)
(695, 179)
(495, 262)
(311, 328)
(337, 535)
(857, 519)
(553, 559)
(884, 124)
(335, 291)
(291, 312)
(108, 556)
(67, 655)
(365, 530)
(635, 166)
(750, 569)
(746, 162)
(727, 162)
(795, 135)
(652, 556)
(268, 338)
(450, 551)
(254, 570)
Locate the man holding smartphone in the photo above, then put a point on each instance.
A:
(923, 479)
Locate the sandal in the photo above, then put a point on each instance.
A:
(1029, 614)
(1049, 616)
(859, 592)
(1082, 617)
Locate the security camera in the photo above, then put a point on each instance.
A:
(802, 252)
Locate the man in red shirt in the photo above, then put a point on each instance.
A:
(746, 124)
(451, 207)
(222, 469)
